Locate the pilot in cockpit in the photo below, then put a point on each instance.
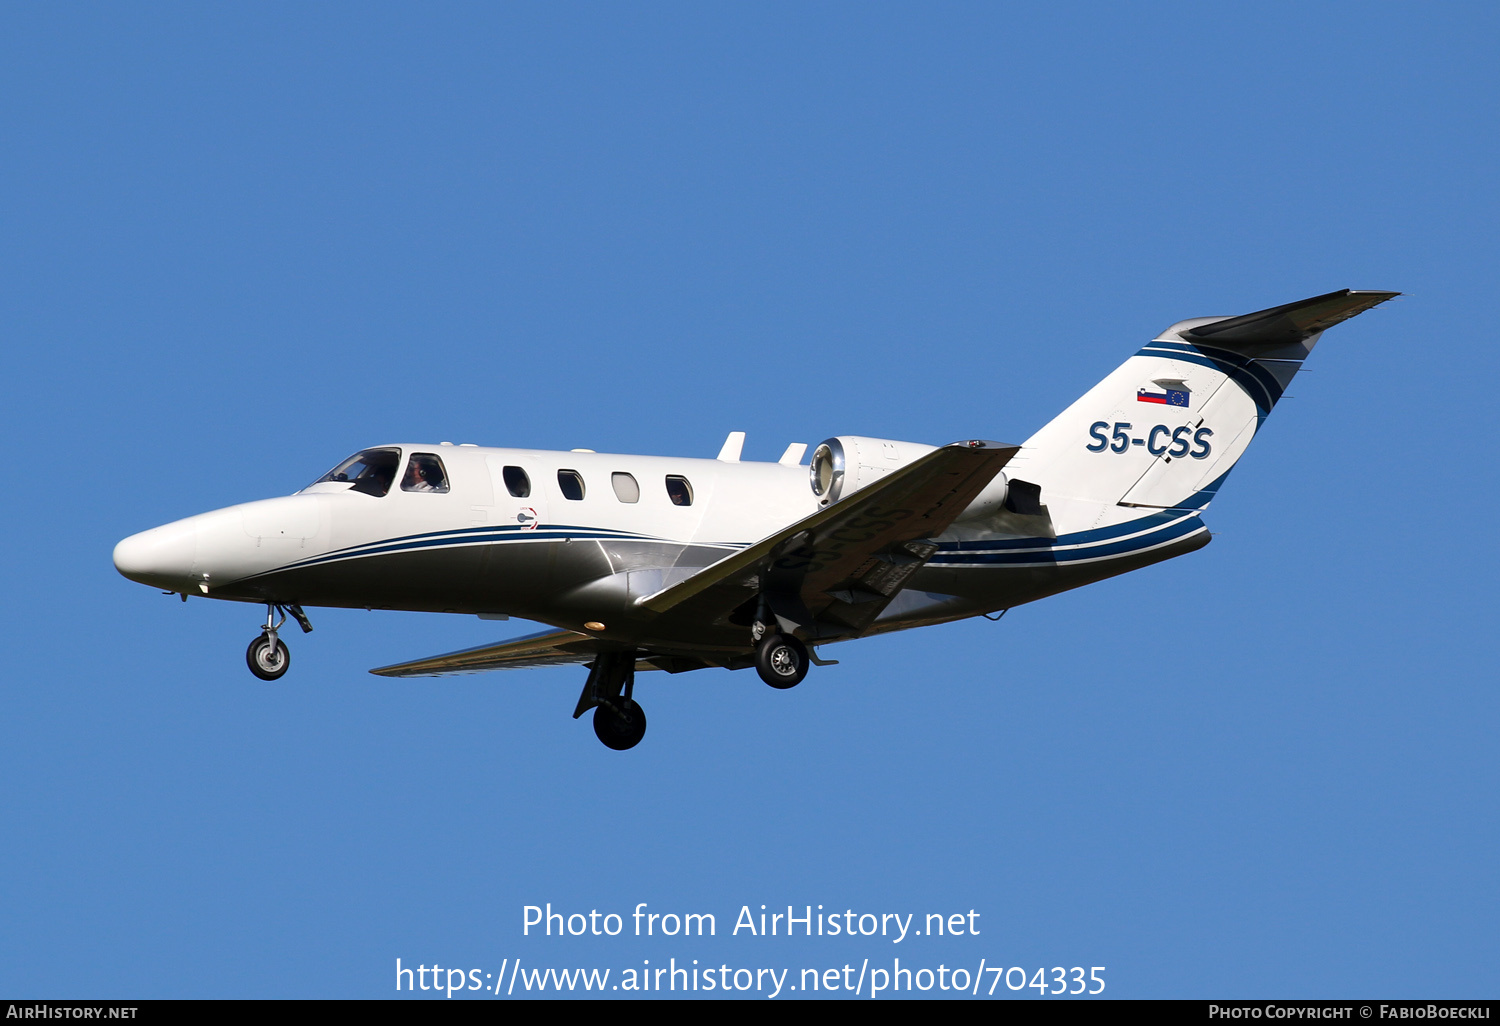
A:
(424, 474)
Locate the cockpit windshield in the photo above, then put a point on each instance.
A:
(371, 471)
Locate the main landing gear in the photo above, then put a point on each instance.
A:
(618, 721)
(780, 659)
(268, 657)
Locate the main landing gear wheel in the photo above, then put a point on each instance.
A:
(622, 726)
(268, 657)
(781, 661)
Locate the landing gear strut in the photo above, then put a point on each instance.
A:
(268, 657)
(618, 721)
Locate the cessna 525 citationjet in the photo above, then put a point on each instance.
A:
(659, 563)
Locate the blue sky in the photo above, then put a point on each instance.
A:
(244, 241)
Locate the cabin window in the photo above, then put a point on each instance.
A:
(679, 491)
(571, 483)
(517, 483)
(424, 473)
(626, 489)
(371, 471)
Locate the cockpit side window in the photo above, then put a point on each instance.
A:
(679, 491)
(424, 473)
(517, 483)
(371, 471)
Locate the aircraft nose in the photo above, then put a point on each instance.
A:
(161, 557)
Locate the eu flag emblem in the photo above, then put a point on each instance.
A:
(1173, 393)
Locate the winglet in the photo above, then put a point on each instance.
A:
(733, 445)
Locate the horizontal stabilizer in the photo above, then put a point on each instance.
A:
(1284, 325)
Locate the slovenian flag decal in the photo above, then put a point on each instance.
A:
(1169, 397)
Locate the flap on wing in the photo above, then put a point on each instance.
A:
(843, 564)
(1294, 322)
(549, 648)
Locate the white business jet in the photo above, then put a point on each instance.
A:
(659, 563)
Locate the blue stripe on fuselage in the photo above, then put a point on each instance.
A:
(1147, 532)
(461, 536)
(1137, 535)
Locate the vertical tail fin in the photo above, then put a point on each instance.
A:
(1163, 430)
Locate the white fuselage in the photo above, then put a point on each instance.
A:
(731, 505)
(546, 556)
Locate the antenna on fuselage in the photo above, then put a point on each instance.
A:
(793, 455)
(733, 446)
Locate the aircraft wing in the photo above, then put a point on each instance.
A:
(832, 573)
(549, 648)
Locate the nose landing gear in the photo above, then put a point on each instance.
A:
(268, 657)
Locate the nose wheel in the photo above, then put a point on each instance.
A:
(268, 657)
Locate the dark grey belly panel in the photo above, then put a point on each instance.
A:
(941, 594)
(531, 579)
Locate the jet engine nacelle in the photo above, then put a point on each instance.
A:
(843, 465)
(995, 497)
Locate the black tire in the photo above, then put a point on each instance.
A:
(781, 660)
(266, 663)
(618, 731)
